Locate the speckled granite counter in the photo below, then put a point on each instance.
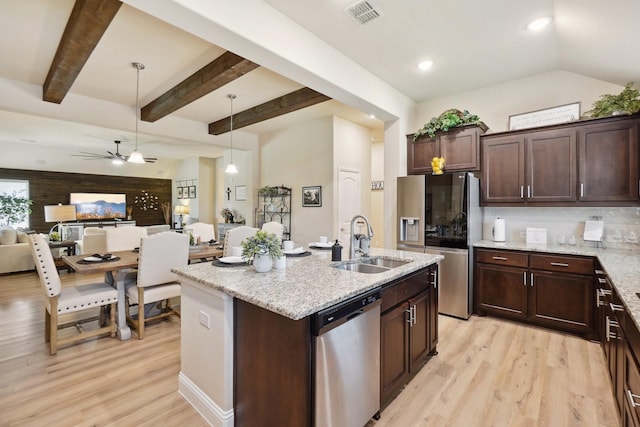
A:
(305, 286)
(621, 265)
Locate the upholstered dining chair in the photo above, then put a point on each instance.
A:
(94, 241)
(235, 236)
(159, 253)
(275, 228)
(205, 231)
(124, 238)
(61, 301)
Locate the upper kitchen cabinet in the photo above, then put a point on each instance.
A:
(587, 163)
(608, 165)
(460, 148)
(530, 168)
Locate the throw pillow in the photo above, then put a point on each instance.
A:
(8, 235)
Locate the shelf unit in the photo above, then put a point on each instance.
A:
(275, 207)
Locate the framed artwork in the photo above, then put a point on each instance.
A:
(241, 192)
(192, 191)
(312, 196)
(545, 117)
(180, 193)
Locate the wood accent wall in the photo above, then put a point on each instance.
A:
(51, 188)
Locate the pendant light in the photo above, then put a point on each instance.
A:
(136, 156)
(231, 168)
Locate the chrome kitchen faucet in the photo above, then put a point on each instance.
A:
(359, 243)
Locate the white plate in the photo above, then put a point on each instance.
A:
(321, 245)
(231, 259)
(94, 259)
(295, 251)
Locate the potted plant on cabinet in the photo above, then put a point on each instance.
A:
(626, 102)
(261, 249)
(449, 119)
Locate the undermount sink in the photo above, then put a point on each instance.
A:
(371, 265)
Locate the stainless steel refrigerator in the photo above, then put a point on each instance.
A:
(441, 214)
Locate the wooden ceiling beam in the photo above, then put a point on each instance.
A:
(88, 21)
(293, 101)
(224, 69)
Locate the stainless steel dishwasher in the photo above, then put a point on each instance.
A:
(347, 362)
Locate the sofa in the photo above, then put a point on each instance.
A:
(15, 253)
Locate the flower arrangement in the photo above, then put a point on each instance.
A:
(227, 215)
(449, 119)
(262, 243)
(268, 191)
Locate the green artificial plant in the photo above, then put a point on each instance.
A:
(262, 243)
(626, 102)
(447, 120)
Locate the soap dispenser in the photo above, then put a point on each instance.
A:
(336, 251)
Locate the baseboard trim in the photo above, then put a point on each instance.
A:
(202, 403)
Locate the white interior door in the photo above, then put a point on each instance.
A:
(348, 202)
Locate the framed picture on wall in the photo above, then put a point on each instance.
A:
(180, 193)
(192, 191)
(312, 196)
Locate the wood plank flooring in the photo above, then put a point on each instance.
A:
(488, 373)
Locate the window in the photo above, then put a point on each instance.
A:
(21, 189)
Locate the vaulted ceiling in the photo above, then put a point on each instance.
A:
(84, 50)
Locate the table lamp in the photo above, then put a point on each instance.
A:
(181, 210)
(59, 213)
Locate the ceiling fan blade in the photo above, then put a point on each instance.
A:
(150, 159)
(91, 155)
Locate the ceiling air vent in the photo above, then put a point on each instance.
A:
(363, 12)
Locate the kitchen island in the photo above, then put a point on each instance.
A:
(225, 310)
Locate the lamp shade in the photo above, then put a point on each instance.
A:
(182, 210)
(59, 213)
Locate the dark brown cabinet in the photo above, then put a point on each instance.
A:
(608, 154)
(530, 168)
(547, 290)
(587, 163)
(407, 331)
(460, 148)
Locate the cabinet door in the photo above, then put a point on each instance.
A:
(551, 166)
(394, 346)
(502, 290)
(631, 389)
(608, 161)
(419, 330)
(503, 169)
(562, 301)
(420, 153)
(460, 149)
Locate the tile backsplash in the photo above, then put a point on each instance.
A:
(621, 225)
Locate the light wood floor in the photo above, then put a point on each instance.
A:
(487, 373)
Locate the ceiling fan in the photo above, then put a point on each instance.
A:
(116, 158)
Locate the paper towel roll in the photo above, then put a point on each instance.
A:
(498, 232)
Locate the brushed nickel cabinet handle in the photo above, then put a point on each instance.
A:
(522, 192)
(500, 258)
(532, 280)
(632, 399)
(560, 264)
(616, 307)
(528, 191)
(581, 190)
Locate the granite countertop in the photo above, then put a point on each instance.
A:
(306, 286)
(621, 265)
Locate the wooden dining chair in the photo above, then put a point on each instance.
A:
(235, 236)
(155, 282)
(124, 238)
(62, 301)
(204, 230)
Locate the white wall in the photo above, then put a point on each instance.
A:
(377, 196)
(297, 157)
(245, 176)
(494, 104)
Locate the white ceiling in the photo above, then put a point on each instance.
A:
(473, 44)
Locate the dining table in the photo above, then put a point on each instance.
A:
(120, 265)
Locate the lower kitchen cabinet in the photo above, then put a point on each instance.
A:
(547, 290)
(407, 331)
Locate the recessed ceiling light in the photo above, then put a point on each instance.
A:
(372, 116)
(425, 65)
(538, 24)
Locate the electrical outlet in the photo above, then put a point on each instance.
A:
(204, 320)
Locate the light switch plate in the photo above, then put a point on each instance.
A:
(205, 320)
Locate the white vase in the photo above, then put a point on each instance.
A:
(262, 263)
(280, 262)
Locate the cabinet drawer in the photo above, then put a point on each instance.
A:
(404, 289)
(514, 259)
(565, 264)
